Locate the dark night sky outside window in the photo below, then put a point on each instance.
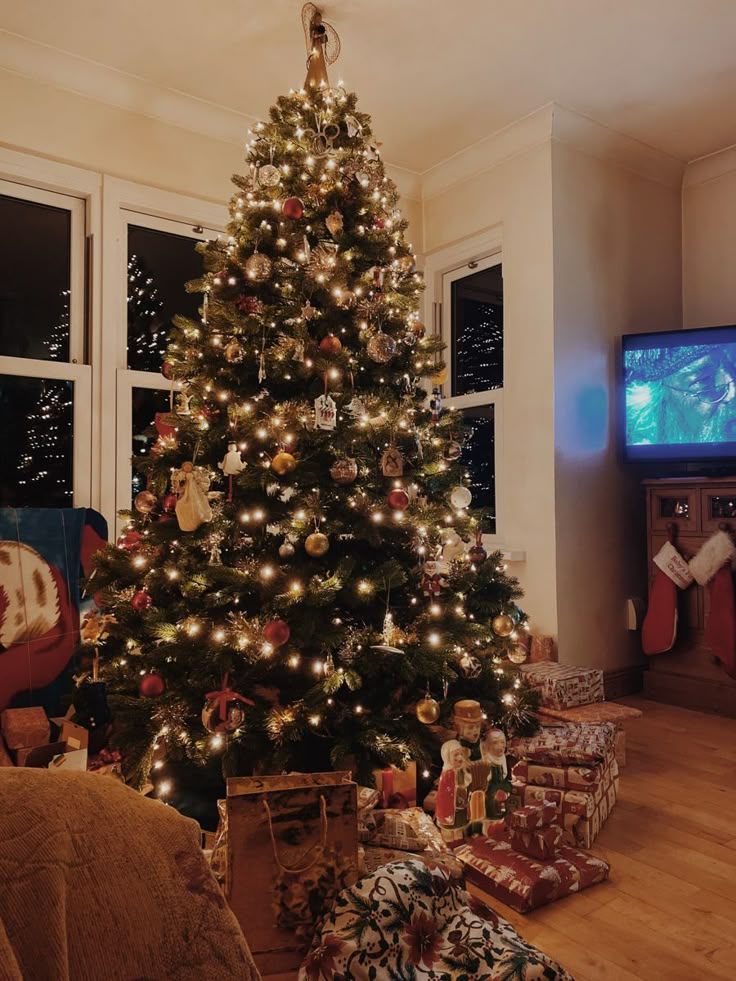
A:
(477, 334)
(159, 264)
(146, 403)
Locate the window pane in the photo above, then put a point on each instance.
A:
(37, 416)
(35, 255)
(479, 457)
(146, 403)
(477, 332)
(159, 264)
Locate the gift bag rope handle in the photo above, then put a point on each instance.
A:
(320, 844)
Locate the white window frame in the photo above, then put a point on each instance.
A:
(44, 182)
(124, 204)
(440, 269)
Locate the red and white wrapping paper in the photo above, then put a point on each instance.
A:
(584, 778)
(566, 745)
(581, 815)
(532, 816)
(525, 883)
(541, 843)
(564, 685)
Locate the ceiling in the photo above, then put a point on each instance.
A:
(437, 77)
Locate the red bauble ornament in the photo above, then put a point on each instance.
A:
(398, 499)
(293, 208)
(167, 370)
(379, 223)
(330, 345)
(130, 541)
(141, 601)
(276, 632)
(169, 502)
(152, 685)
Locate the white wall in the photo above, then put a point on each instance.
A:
(516, 194)
(55, 123)
(616, 271)
(708, 241)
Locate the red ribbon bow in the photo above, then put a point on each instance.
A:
(225, 695)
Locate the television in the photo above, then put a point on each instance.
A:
(679, 395)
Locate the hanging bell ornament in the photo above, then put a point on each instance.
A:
(258, 267)
(502, 625)
(234, 352)
(293, 208)
(460, 497)
(286, 550)
(317, 544)
(334, 222)
(344, 471)
(381, 348)
(427, 709)
(145, 502)
(283, 463)
(269, 176)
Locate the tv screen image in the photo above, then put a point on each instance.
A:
(680, 394)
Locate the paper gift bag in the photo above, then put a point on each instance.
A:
(292, 847)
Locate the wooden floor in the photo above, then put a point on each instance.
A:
(668, 912)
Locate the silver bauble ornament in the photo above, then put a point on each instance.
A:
(460, 497)
(258, 267)
(381, 348)
(269, 176)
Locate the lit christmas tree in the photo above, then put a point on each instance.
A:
(43, 466)
(331, 600)
(144, 320)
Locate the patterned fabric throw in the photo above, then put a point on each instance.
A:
(409, 921)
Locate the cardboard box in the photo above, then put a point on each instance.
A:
(68, 752)
(24, 728)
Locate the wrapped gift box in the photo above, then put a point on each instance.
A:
(594, 714)
(581, 815)
(532, 816)
(409, 830)
(564, 685)
(566, 745)
(372, 857)
(541, 843)
(25, 728)
(584, 778)
(525, 883)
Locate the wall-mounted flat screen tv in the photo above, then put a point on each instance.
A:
(679, 397)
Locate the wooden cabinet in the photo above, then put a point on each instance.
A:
(691, 510)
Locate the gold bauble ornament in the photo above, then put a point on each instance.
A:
(145, 502)
(258, 267)
(286, 550)
(440, 377)
(381, 348)
(428, 710)
(502, 625)
(283, 463)
(334, 222)
(317, 544)
(518, 654)
(234, 352)
(344, 471)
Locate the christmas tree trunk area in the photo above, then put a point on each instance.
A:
(303, 585)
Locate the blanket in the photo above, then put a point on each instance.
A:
(97, 882)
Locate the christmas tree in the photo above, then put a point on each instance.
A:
(330, 598)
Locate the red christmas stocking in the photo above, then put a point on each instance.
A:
(712, 568)
(720, 630)
(659, 629)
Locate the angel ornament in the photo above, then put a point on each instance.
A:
(231, 466)
(190, 484)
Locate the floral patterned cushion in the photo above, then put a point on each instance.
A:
(410, 921)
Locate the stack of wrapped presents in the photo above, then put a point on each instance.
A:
(574, 768)
(526, 865)
(575, 694)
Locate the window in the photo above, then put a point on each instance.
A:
(45, 390)
(473, 296)
(160, 258)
